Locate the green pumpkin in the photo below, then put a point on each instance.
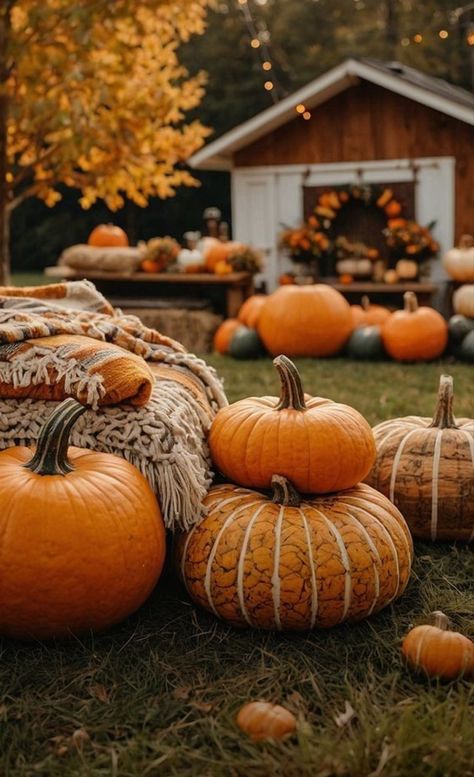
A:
(246, 344)
(466, 349)
(458, 327)
(365, 342)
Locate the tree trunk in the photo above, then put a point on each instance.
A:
(4, 211)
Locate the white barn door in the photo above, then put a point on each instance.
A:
(255, 220)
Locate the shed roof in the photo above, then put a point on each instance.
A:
(401, 79)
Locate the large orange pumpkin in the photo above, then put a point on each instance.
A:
(415, 333)
(292, 564)
(426, 467)
(224, 335)
(319, 445)
(108, 235)
(249, 313)
(367, 314)
(82, 541)
(312, 320)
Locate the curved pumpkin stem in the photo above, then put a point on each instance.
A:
(284, 492)
(410, 302)
(439, 619)
(50, 457)
(443, 417)
(365, 303)
(291, 391)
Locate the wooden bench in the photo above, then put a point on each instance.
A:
(226, 292)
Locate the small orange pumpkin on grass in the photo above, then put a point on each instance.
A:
(263, 720)
(438, 652)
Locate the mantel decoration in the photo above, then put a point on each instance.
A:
(408, 243)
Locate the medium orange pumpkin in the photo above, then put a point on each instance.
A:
(313, 320)
(366, 314)
(319, 445)
(426, 468)
(152, 266)
(415, 333)
(289, 564)
(249, 313)
(82, 540)
(108, 235)
(438, 652)
(224, 335)
(262, 720)
(222, 268)
(215, 251)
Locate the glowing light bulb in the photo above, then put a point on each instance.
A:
(267, 65)
(443, 34)
(300, 108)
(306, 115)
(405, 41)
(418, 38)
(255, 43)
(268, 85)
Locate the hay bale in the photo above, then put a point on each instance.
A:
(193, 328)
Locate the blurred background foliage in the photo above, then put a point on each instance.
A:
(304, 39)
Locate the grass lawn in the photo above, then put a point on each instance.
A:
(158, 694)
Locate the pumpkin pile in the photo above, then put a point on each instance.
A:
(238, 337)
(461, 325)
(314, 547)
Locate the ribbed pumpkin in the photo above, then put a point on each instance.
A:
(463, 300)
(438, 652)
(224, 335)
(108, 235)
(426, 467)
(82, 541)
(459, 262)
(289, 564)
(366, 314)
(319, 445)
(415, 333)
(249, 313)
(312, 320)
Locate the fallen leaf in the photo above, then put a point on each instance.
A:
(79, 737)
(182, 693)
(202, 706)
(100, 693)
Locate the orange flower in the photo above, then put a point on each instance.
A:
(396, 223)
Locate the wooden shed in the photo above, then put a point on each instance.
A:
(370, 123)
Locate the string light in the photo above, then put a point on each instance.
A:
(470, 36)
(300, 108)
(418, 38)
(255, 43)
(269, 85)
(260, 41)
(267, 65)
(443, 34)
(405, 41)
(306, 115)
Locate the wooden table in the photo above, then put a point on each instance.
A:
(226, 292)
(390, 294)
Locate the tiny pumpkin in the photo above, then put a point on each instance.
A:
(437, 651)
(85, 543)
(407, 269)
(415, 333)
(393, 209)
(391, 277)
(463, 300)
(459, 262)
(425, 467)
(108, 235)
(222, 268)
(365, 342)
(262, 720)
(319, 445)
(287, 563)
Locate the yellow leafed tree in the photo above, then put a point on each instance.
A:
(93, 96)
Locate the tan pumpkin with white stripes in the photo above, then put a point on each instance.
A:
(292, 564)
(426, 468)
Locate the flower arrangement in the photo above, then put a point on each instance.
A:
(160, 253)
(306, 242)
(408, 238)
(245, 259)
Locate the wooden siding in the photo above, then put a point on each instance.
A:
(367, 122)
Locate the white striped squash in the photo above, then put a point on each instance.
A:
(426, 468)
(293, 565)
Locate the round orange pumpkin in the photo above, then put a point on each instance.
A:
(152, 266)
(393, 209)
(262, 720)
(215, 251)
(425, 466)
(313, 320)
(249, 313)
(366, 314)
(289, 564)
(319, 445)
(224, 335)
(222, 268)
(82, 540)
(415, 333)
(108, 235)
(438, 652)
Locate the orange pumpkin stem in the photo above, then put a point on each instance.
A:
(410, 302)
(291, 392)
(50, 457)
(284, 492)
(443, 417)
(365, 303)
(440, 620)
